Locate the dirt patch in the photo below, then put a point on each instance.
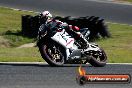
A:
(4, 42)
(27, 45)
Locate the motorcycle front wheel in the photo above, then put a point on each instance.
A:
(52, 54)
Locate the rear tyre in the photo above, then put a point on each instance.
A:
(98, 61)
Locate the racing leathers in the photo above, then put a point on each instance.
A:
(56, 25)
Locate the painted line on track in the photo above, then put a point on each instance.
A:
(23, 63)
(15, 9)
(47, 63)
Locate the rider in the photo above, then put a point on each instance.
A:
(72, 30)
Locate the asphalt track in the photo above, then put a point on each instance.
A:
(119, 13)
(44, 76)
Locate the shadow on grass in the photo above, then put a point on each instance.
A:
(19, 33)
(17, 38)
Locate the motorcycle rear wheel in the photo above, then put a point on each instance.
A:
(99, 61)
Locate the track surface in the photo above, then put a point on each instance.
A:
(44, 76)
(120, 13)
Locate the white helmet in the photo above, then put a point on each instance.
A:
(46, 14)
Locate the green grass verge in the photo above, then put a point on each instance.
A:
(20, 55)
(10, 27)
(11, 19)
(125, 0)
(118, 48)
(128, 0)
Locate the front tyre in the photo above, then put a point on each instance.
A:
(52, 54)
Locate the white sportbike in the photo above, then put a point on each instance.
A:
(59, 48)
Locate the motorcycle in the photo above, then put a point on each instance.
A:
(59, 48)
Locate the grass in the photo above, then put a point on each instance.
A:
(10, 27)
(20, 55)
(128, 0)
(125, 0)
(10, 38)
(11, 20)
(17, 39)
(118, 48)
